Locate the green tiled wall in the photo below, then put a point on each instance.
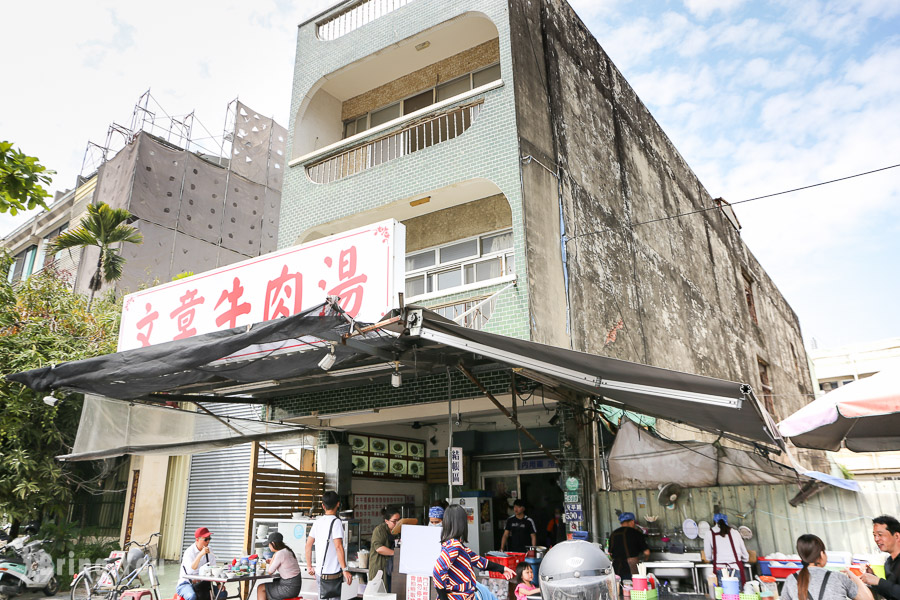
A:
(488, 149)
(431, 388)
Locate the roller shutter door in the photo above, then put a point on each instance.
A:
(217, 490)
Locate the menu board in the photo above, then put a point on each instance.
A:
(367, 509)
(387, 458)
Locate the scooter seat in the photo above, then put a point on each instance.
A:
(13, 558)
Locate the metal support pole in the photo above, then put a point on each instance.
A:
(449, 438)
(509, 416)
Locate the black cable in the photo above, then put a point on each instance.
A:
(702, 210)
(724, 462)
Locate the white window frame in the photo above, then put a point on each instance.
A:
(402, 101)
(460, 264)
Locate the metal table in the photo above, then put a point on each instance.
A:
(250, 580)
(652, 567)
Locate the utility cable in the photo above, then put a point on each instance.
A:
(709, 208)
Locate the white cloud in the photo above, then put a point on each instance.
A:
(840, 23)
(669, 87)
(589, 10)
(704, 8)
(88, 65)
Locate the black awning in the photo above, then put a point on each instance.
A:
(164, 367)
(277, 356)
(712, 404)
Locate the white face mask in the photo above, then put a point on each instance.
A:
(435, 524)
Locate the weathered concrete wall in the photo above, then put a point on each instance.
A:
(189, 218)
(667, 293)
(540, 184)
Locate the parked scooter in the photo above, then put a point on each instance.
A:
(24, 565)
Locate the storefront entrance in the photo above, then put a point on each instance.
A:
(539, 488)
(542, 493)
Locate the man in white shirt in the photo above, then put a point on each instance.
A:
(195, 556)
(328, 525)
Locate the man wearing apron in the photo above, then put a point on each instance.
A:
(627, 547)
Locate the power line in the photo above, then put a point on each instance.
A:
(702, 210)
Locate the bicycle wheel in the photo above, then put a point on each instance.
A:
(87, 585)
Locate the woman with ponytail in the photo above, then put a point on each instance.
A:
(724, 547)
(285, 563)
(815, 582)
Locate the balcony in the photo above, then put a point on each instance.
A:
(367, 110)
(355, 16)
(423, 132)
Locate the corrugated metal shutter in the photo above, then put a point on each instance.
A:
(217, 488)
(841, 518)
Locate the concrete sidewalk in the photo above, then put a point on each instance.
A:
(168, 577)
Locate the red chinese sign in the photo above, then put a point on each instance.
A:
(365, 267)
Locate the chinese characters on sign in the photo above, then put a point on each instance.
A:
(574, 512)
(536, 463)
(365, 267)
(455, 464)
(417, 587)
(367, 508)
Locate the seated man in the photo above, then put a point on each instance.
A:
(195, 556)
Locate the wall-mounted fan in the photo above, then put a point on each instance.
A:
(668, 496)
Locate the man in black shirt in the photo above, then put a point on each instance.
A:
(627, 546)
(520, 530)
(886, 531)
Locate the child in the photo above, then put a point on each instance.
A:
(525, 577)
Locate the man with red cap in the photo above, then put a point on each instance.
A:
(195, 556)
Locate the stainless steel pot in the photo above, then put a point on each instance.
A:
(538, 551)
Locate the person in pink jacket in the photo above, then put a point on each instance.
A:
(285, 563)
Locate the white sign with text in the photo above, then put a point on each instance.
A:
(365, 267)
(456, 466)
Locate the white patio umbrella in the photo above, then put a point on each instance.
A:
(863, 415)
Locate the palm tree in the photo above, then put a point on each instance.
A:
(102, 227)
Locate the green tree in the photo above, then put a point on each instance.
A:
(103, 227)
(21, 177)
(43, 322)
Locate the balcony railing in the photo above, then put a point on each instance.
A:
(355, 17)
(473, 314)
(422, 134)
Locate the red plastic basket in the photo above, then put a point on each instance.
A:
(512, 561)
(783, 572)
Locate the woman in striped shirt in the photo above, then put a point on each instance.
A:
(454, 570)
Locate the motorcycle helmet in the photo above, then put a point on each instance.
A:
(577, 569)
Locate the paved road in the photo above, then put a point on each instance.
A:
(168, 577)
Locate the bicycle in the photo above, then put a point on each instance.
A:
(107, 582)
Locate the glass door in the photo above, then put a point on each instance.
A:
(504, 489)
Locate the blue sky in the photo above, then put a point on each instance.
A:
(758, 97)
